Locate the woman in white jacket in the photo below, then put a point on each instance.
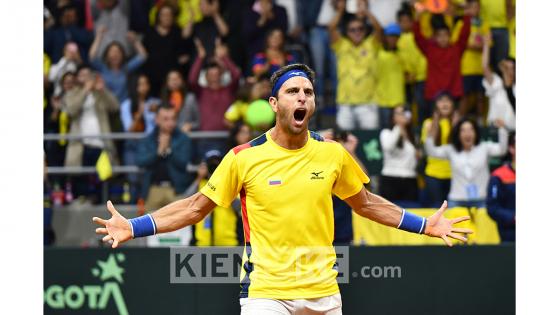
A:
(469, 159)
(398, 175)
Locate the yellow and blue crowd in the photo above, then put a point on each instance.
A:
(433, 82)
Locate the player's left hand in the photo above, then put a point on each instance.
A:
(117, 230)
(439, 226)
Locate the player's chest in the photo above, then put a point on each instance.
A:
(287, 179)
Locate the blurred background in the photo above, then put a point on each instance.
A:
(143, 98)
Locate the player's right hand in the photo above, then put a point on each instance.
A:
(116, 230)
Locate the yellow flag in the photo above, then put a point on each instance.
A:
(103, 166)
(63, 126)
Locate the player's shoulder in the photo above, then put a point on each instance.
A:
(326, 144)
(249, 146)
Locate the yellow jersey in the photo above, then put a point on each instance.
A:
(494, 12)
(355, 66)
(414, 61)
(436, 167)
(287, 211)
(389, 80)
(471, 62)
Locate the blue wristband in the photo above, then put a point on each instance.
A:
(412, 223)
(143, 226)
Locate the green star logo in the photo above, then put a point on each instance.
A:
(110, 268)
(371, 150)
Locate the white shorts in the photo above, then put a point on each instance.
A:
(328, 305)
(350, 117)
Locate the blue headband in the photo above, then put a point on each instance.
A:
(283, 78)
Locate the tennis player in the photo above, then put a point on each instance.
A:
(285, 179)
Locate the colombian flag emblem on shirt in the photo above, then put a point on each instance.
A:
(274, 181)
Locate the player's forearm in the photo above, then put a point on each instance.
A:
(380, 210)
(180, 213)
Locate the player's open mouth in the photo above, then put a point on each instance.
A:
(299, 114)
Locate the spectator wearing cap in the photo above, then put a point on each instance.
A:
(164, 154)
(220, 227)
(444, 57)
(355, 56)
(389, 75)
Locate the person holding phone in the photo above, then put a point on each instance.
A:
(400, 156)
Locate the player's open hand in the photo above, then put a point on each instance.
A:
(116, 229)
(439, 226)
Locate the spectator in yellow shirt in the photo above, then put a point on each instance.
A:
(355, 56)
(471, 63)
(390, 80)
(497, 13)
(438, 171)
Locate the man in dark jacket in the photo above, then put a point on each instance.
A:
(164, 154)
(500, 200)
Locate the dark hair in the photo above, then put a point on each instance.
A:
(441, 27)
(511, 139)
(511, 143)
(405, 10)
(232, 141)
(67, 73)
(165, 93)
(133, 91)
(269, 33)
(353, 18)
(244, 92)
(164, 106)
(296, 66)
(83, 66)
(439, 96)
(437, 21)
(457, 131)
(442, 94)
(120, 47)
(166, 4)
(409, 131)
(212, 64)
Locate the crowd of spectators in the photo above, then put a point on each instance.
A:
(429, 81)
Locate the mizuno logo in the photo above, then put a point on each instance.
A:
(316, 175)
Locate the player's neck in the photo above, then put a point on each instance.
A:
(287, 140)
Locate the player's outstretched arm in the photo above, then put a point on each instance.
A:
(174, 216)
(381, 210)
